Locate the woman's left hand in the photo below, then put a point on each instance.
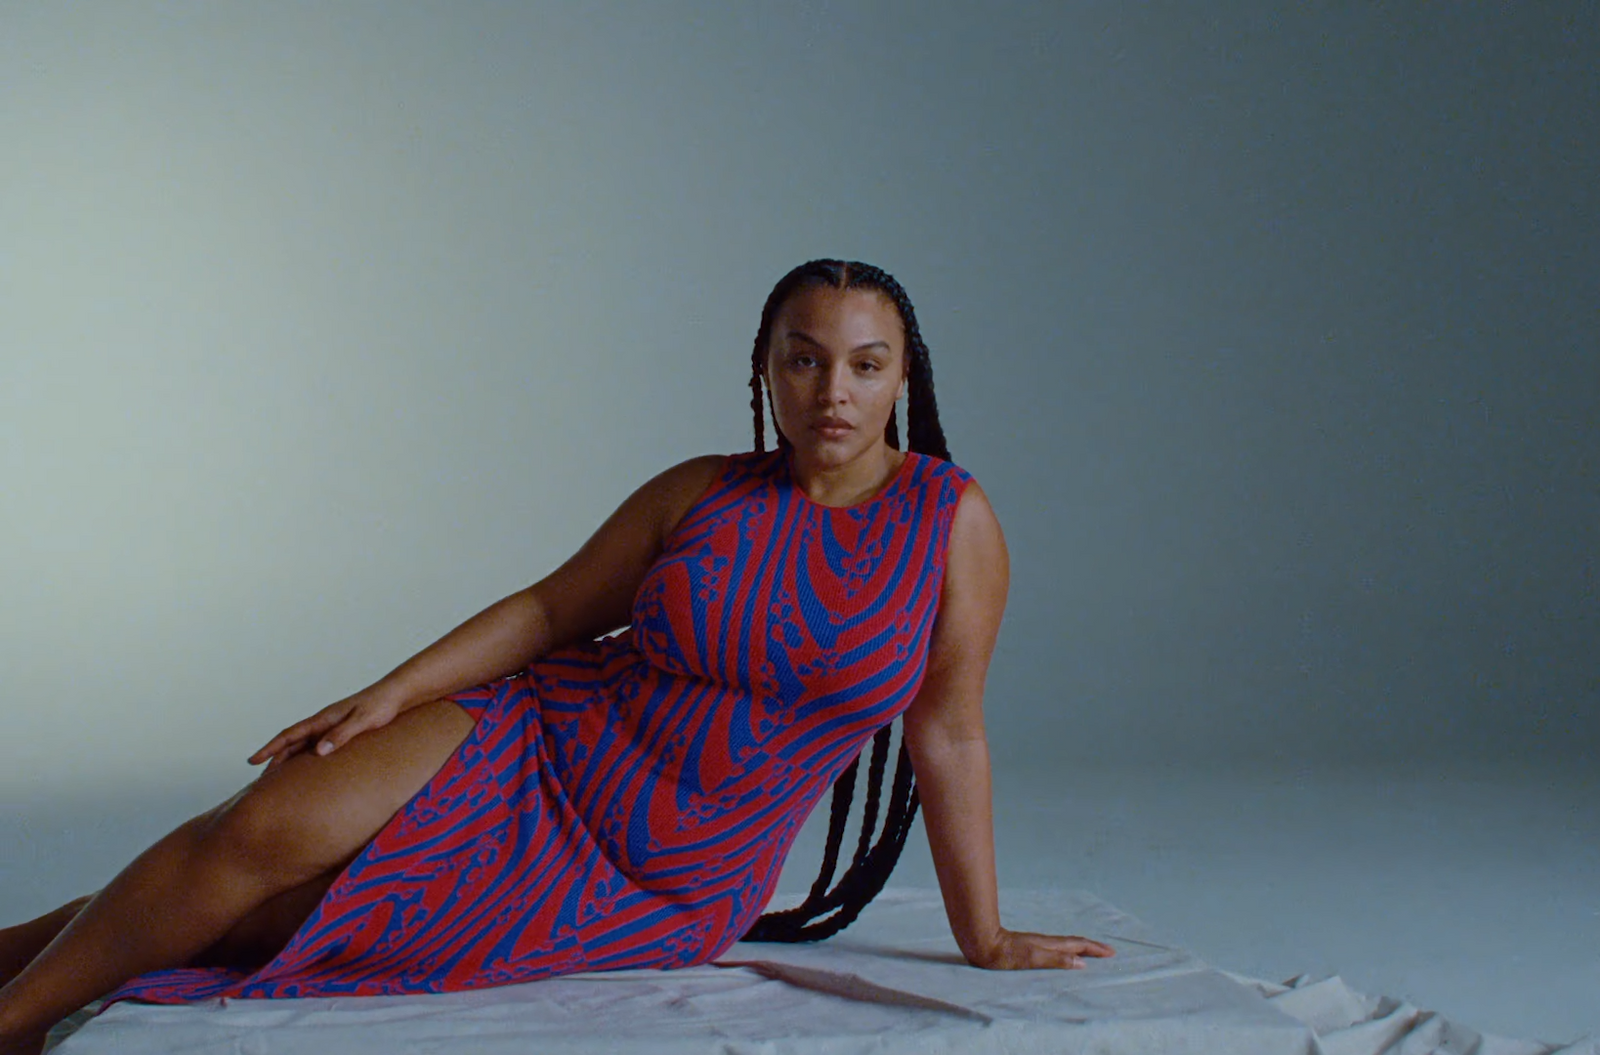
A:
(1020, 951)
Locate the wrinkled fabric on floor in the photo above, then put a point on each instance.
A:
(893, 982)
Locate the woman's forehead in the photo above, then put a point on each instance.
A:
(840, 319)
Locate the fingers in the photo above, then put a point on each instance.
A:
(287, 753)
(357, 720)
(1072, 943)
(284, 740)
(326, 731)
(1031, 954)
(1052, 950)
(1044, 957)
(271, 749)
(343, 733)
(294, 738)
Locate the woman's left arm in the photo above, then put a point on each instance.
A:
(950, 755)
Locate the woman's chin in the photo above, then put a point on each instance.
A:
(829, 453)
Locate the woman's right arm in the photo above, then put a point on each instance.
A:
(590, 595)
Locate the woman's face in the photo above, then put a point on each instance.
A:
(835, 366)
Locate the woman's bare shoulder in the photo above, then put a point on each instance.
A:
(978, 565)
(692, 476)
(678, 488)
(702, 468)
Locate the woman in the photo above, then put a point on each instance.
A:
(625, 800)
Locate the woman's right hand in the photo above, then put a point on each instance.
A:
(590, 595)
(332, 727)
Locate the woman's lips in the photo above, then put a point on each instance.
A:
(832, 430)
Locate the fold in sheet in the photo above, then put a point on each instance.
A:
(894, 982)
(1350, 1023)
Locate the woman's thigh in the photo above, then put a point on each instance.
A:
(315, 813)
(255, 940)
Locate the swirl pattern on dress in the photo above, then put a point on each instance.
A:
(628, 802)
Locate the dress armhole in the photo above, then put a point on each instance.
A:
(945, 529)
(717, 480)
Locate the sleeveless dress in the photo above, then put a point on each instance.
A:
(628, 802)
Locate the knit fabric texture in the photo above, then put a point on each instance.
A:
(628, 802)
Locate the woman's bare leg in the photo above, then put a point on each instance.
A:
(192, 888)
(251, 944)
(255, 940)
(20, 944)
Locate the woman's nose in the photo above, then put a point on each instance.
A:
(833, 388)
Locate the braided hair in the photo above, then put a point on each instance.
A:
(825, 912)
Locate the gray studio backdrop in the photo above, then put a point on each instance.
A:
(1270, 335)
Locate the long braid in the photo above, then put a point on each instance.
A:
(844, 792)
(869, 813)
(760, 410)
(872, 861)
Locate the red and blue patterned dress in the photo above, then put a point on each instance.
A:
(628, 802)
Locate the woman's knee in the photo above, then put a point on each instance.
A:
(313, 813)
(260, 832)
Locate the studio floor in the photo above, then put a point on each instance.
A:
(1462, 891)
(1472, 893)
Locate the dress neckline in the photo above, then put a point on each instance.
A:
(786, 460)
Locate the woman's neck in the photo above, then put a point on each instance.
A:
(849, 483)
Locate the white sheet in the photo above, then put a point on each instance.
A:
(893, 982)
